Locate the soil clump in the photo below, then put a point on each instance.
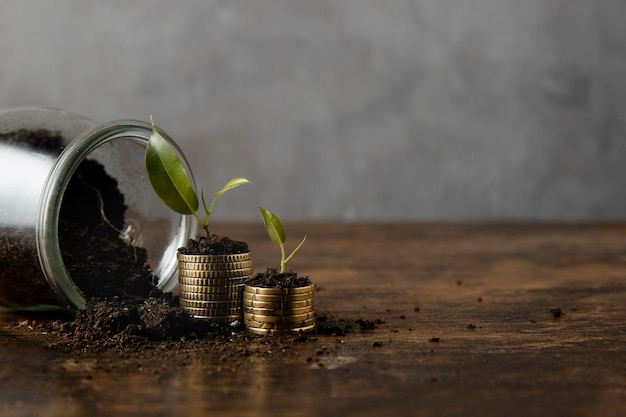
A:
(99, 261)
(21, 281)
(273, 278)
(213, 245)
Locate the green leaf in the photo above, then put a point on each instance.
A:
(234, 183)
(168, 176)
(274, 227)
(286, 261)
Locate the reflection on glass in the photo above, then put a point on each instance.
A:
(24, 173)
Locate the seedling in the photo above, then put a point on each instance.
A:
(277, 234)
(172, 183)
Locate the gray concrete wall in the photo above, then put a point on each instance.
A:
(351, 109)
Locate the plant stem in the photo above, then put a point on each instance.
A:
(283, 264)
(203, 224)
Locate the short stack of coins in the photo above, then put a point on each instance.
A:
(211, 286)
(269, 311)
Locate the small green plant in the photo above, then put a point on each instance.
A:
(172, 183)
(277, 234)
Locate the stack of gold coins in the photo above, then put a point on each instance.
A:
(278, 310)
(211, 285)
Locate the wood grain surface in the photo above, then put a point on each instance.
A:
(484, 319)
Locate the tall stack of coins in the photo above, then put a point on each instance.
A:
(278, 310)
(211, 285)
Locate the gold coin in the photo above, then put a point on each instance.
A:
(208, 282)
(276, 298)
(212, 289)
(206, 312)
(209, 304)
(221, 319)
(222, 287)
(277, 304)
(285, 330)
(233, 296)
(231, 273)
(212, 312)
(278, 311)
(266, 325)
(235, 257)
(280, 291)
(294, 318)
(214, 266)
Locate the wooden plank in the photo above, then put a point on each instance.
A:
(485, 319)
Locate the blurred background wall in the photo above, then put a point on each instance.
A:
(351, 109)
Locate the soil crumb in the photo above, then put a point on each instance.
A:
(332, 326)
(122, 322)
(272, 278)
(126, 325)
(213, 245)
(99, 261)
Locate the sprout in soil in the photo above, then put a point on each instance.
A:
(277, 234)
(172, 183)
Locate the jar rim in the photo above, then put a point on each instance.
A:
(47, 233)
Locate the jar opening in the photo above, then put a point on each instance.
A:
(102, 232)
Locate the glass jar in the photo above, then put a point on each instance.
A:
(73, 193)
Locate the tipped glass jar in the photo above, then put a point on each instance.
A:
(78, 217)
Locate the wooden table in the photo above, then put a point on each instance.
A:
(473, 319)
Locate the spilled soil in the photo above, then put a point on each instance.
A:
(125, 310)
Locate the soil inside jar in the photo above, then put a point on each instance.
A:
(119, 285)
(97, 259)
(90, 223)
(22, 283)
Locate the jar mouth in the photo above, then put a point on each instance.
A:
(47, 228)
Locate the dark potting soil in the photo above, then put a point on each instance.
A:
(20, 276)
(98, 260)
(21, 281)
(124, 321)
(126, 325)
(112, 273)
(124, 308)
(273, 278)
(35, 139)
(90, 223)
(213, 245)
